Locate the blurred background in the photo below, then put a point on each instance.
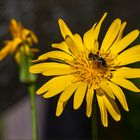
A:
(41, 16)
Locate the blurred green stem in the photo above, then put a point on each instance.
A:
(33, 111)
(30, 79)
(94, 121)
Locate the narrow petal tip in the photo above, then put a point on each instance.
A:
(136, 33)
(60, 21)
(37, 60)
(137, 30)
(105, 125)
(30, 69)
(105, 14)
(118, 118)
(126, 108)
(75, 107)
(118, 20)
(44, 95)
(38, 92)
(88, 115)
(57, 115)
(59, 109)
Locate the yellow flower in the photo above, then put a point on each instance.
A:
(22, 38)
(88, 70)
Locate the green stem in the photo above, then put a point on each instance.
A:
(33, 111)
(94, 121)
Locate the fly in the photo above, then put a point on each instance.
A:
(97, 58)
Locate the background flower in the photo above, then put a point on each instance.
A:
(22, 40)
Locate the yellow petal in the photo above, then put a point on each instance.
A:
(17, 57)
(59, 109)
(111, 34)
(120, 32)
(79, 95)
(30, 41)
(65, 31)
(126, 72)
(15, 28)
(14, 24)
(56, 89)
(124, 83)
(96, 47)
(67, 93)
(42, 67)
(57, 71)
(56, 83)
(72, 46)
(107, 90)
(131, 55)
(55, 55)
(129, 52)
(89, 37)
(79, 42)
(119, 94)
(112, 108)
(15, 44)
(92, 35)
(103, 110)
(127, 60)
(124, 42)
(89, 99)
(25, 33)
(97, 28)
(62, 46)
(27, 49)
(34, 38)
(5, 51)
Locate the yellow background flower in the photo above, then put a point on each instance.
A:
(22, 38)
(86, 69)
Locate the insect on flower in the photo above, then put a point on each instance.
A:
(97, 58)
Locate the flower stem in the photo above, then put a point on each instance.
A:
(31, 89)
(94, 121)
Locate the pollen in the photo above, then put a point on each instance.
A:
(92, 69)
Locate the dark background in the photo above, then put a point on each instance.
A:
(41, 16)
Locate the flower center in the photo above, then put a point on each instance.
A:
(92, 68)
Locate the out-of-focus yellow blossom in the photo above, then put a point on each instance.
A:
(21, 42)
(87, 69)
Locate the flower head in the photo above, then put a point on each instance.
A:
(22, 40)
(86, 69)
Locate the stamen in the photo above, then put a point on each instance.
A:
(92, 69)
